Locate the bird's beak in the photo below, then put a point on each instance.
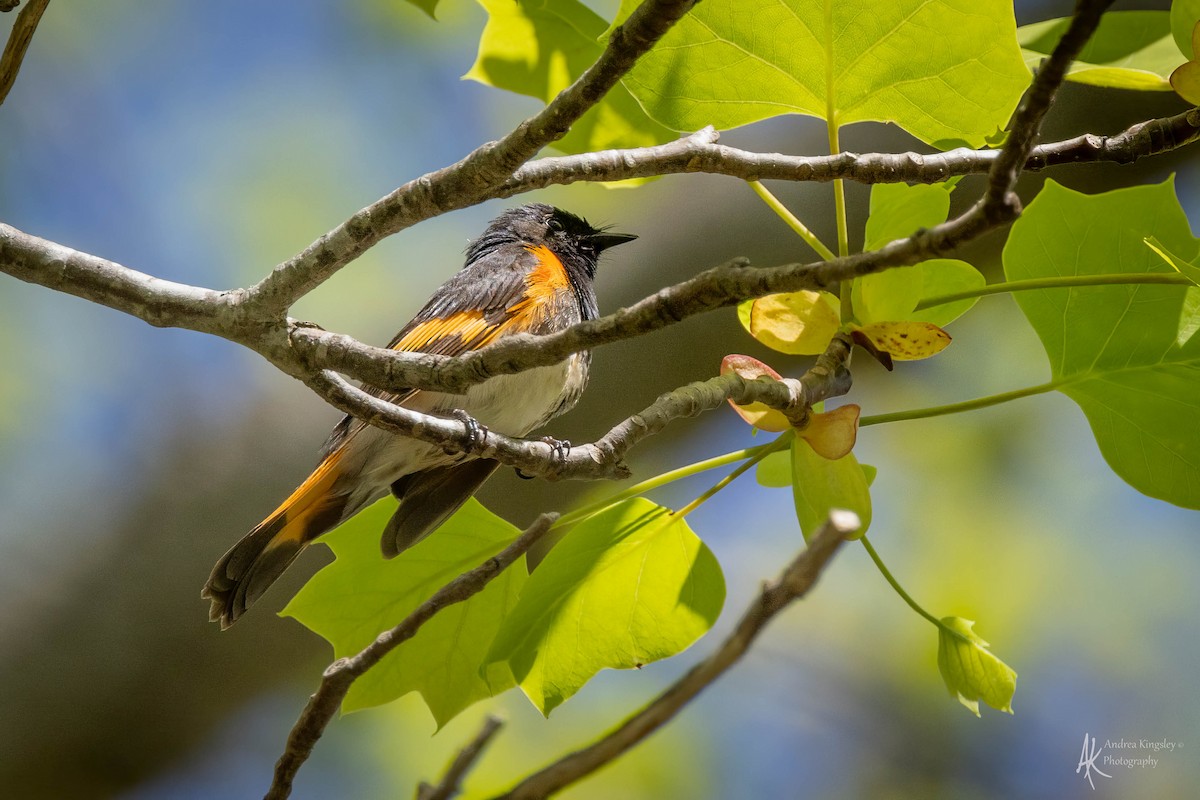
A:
(603, 241)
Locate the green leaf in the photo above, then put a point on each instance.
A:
(947, 71)
(362, 594)
(1184, 15)
(537, 48)
(1118, 351)
(898, 211)
(775, 471)
(893, 295)
(428, 6)
(971, 671)
(626, 587)
(820, 485)
(1130, 50)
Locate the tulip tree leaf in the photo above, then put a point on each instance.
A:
(1130, 50)
(1184, 16)
(820, 485)
(362, 594)
(732, 62)
(626, 587)
(971, 671)
(538, 48)
(1118, 351)
(775, 471)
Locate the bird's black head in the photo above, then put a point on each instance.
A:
(568, 236)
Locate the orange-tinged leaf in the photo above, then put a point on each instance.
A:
(832, 433)
(797, 323)
(760, 416)
(907, 341)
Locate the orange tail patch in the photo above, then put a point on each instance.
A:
(310, 510)
(262, 555)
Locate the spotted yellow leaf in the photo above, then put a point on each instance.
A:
(907, 341)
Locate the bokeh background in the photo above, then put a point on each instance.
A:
(204, 142)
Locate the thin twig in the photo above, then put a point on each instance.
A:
(448, 787)
(796, 580)
(341, 674)
(18, 43)
(699, 153)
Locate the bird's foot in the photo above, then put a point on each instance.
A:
(559, 449)
(476, 433)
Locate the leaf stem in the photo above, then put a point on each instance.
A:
(965, 405)
(779, 443)
(839, 208)
(792, 220)
(896, 584)
(671, 476)
(1063, 282)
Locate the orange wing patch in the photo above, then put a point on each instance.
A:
(470, 327)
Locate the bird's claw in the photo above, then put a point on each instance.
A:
(476, 433)
(559, 448)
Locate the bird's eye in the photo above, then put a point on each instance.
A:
(554, 224)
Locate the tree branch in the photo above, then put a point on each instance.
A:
(699, 153)
(169, 304)
(796, 581)
(18, 42)
(466, 758)
(159, 302)
(604, 458)
(341, 674)
(1001, 199)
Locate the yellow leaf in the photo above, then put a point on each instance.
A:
(833, 433)
(907, 341)
(760, 416)
(1186, 79)
(797, 323)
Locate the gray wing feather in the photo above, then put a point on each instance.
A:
(428, 498)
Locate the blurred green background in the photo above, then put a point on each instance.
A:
(205, 142)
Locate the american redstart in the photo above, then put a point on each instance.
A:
(531, 271)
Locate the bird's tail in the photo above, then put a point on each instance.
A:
(261, 556)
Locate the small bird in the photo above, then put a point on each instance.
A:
(532, 271)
